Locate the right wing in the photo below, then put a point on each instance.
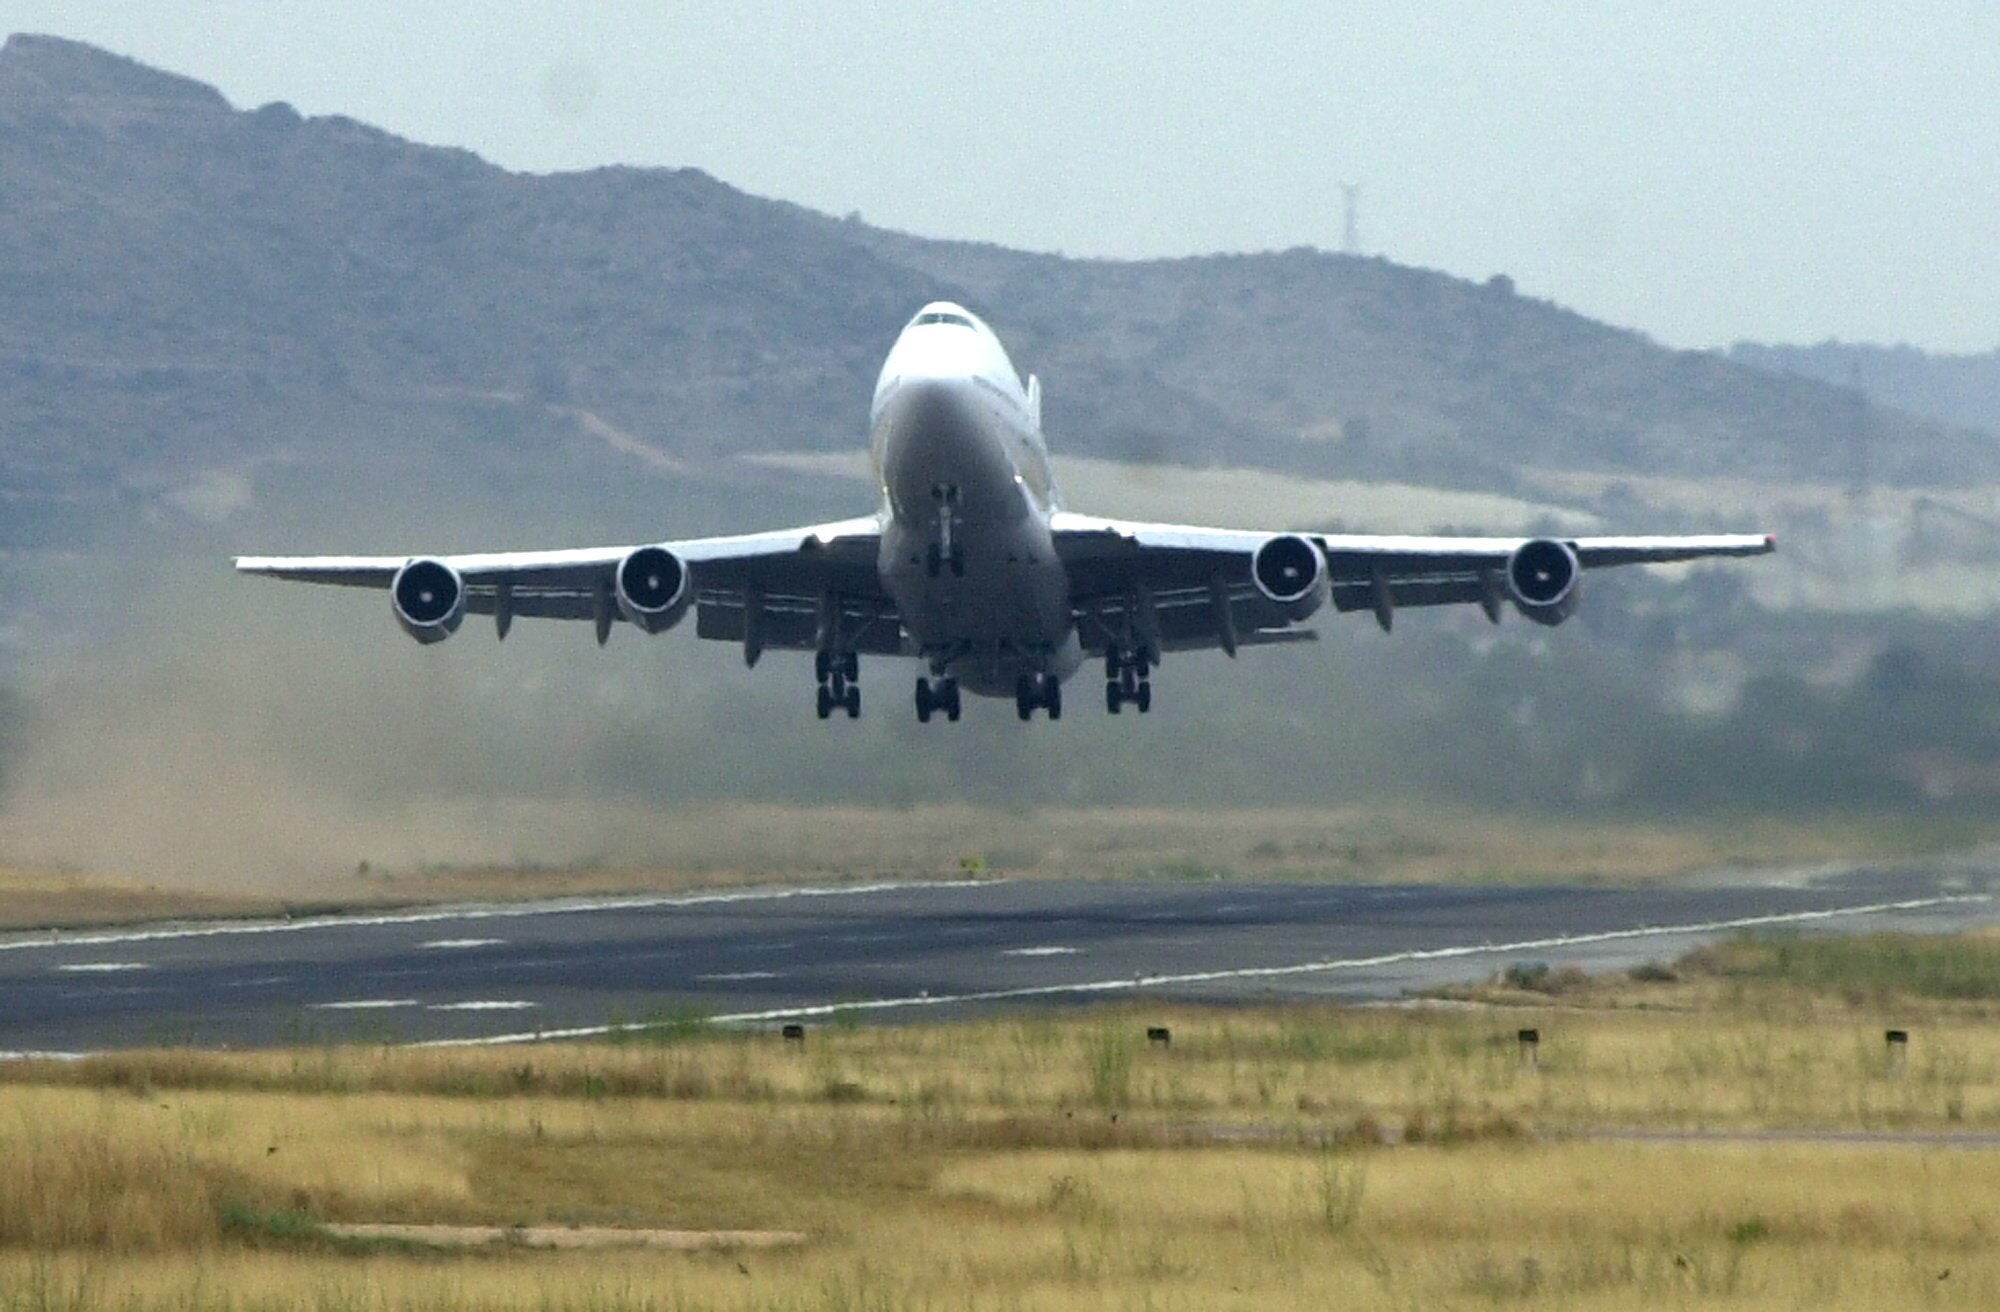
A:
(1193, 586)
(778, 589)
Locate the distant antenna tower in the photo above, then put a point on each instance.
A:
(1350, 236)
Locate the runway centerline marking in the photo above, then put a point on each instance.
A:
(738, 976)
(1053, 950)
(483, 1004)
(99, 967)
(366, 1004)
(483, 911)
(1136, 983)
(450, 943)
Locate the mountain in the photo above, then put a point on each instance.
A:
(202, 307)
(1963, 390)
(227, 331)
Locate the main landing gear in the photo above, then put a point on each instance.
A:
(1126, 682)
(838, 673)
(1038, 690)
(939, 696)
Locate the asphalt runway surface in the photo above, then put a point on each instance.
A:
(503, 972)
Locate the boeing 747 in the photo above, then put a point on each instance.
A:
(971, 565)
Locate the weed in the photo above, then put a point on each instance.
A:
(1107, 1053)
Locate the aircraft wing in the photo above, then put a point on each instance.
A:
(1197, 585)
(793, 580)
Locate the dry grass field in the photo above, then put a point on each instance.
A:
(731, 845)
(1270, 1158)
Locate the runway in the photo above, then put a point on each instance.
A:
(573, 968)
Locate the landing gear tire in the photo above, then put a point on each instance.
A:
(1114, 696)
(838, 672)
(1024, 697)
(1144, 698)
(957, 559)
(935, 697)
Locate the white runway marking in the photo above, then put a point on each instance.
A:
(366, 1004)
(100, 967)
(1051, 951)
(1138, 982)
(42, 1056)
(448, 943)
(483, 911)
(511, 1004)
(738, 976)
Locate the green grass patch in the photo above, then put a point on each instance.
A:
(1862, 966)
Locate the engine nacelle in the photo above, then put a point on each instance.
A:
(652, 588)
(428, 597)
(1544, 577)
(1290, 571)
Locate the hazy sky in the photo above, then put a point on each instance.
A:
(1702, 171)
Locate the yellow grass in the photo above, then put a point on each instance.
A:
(1303, 1158)
(731, 845)
(33, 897)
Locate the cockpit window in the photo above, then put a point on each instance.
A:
(942, 316)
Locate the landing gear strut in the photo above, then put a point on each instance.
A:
(1127, 681)
(939, 696)
(937, 559)
(944, 552)
(839, 673)
(1038, 690)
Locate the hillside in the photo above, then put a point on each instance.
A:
(200, 299)
(227, 331)
(1955, 389)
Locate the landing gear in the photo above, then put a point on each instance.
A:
(939, 696)
(1126, 681)
(1038, 690)
(944, 552)
(937, 559)
(839, 687)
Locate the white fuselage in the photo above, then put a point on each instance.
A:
(967, 495)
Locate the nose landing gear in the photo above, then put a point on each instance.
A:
(1038, 690)
(937, 559)
(1127, 681)
(944, 552)
(839, 687)
(939, 696)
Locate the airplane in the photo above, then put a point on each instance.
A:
(972, 565)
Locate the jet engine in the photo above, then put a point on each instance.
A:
(1544, 577)
(429, 599)
(1290, 571)
(651, 585)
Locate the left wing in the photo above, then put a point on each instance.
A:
(779, 589)
(1205, 587)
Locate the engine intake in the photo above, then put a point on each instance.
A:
(1544, 577)
(1290, 571)
(428, 597)
(651, 585)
